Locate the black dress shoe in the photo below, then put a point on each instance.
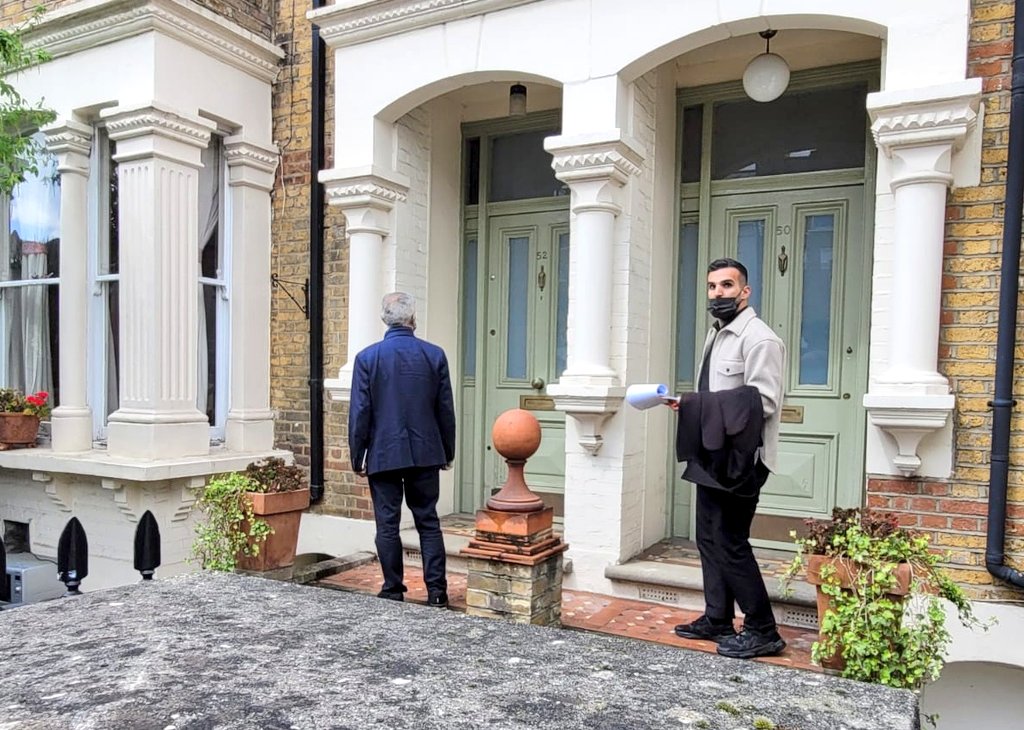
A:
(392, 595)
(438, 600)
(749, 644)
(706, 629)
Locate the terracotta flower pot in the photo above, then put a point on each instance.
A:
(18, 430)
(846, 572)
(283, 512)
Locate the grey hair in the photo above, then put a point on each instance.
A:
(398, 308)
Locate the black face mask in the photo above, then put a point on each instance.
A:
(724, 308)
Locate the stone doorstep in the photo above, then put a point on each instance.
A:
(682, 586)
(453, 545)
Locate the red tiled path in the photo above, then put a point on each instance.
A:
(589, 612)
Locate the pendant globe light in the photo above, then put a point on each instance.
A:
(767, 75)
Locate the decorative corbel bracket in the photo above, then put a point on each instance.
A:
(57, 490)
(187, 498)
(127, 500)
(908, 420)
(590, 407)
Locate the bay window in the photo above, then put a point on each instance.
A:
(29, 274)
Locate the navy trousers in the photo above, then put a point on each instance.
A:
(421, 488)
(731, 573)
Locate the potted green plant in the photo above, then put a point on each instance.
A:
(880, 592)
(251, 517)
(19, 417)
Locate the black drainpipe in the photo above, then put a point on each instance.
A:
(1003, 403)
(316, 265)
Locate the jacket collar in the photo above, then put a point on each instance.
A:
(397, 330)
(740, 321)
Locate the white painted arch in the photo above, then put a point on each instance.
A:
(593, 48)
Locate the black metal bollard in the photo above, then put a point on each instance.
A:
(73, 556)
(147, 546)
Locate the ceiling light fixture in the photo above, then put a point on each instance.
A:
(767, 75)
(517, 100)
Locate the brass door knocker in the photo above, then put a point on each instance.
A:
(783, 262)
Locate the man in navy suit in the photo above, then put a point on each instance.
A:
(401, 432)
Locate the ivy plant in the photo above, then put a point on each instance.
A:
(229, 527)
(880, 636)
(19, 119)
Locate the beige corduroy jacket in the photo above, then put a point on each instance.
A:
(747, 352)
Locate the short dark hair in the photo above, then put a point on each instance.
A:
(729, 264)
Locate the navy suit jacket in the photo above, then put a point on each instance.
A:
(401, 414)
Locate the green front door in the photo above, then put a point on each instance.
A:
(526, 307)
(804, 250)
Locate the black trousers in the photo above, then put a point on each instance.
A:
(731, 573)
(421, 488)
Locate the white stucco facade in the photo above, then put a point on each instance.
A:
(612, 69)
(158, 79)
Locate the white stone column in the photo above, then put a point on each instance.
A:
(367, 200)
(596, 167)
(158, 161)
(920, 132)
(71, 422)
(250, 421)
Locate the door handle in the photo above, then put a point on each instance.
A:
(537, 383)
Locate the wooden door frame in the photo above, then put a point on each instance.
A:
(693, 202)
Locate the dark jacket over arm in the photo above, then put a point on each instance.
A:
(718, 436)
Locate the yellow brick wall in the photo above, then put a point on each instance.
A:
(955, 511)
(289, 371)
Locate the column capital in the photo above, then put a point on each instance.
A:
(594, 166)
(933, 116)
(250, 164)
(157, 131)
(71, 142)
(363, 187)
(365, 196)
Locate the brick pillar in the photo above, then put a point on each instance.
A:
(515, 568)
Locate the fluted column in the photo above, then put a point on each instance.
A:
(920, 132)
(158, 161)
(250, 421)
(367, 201)
(71, 423)
(596, 167)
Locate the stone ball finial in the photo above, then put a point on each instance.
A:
(516, 434)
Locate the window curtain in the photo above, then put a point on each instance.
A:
(34, 237)
(209, 214)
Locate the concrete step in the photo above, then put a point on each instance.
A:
(682, 586)
(453, 543)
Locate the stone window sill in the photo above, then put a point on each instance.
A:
(98, 463)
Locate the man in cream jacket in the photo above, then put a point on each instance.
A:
(740, 350)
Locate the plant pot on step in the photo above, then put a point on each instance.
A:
(846, 573)
(283, 512)
(18, 430)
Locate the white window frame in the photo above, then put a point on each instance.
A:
(99, 242)
(5, 228)
(222, 346)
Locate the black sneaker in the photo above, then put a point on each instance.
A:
(392, 595)
(705, 628)
(750, 644)
(438, 600)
